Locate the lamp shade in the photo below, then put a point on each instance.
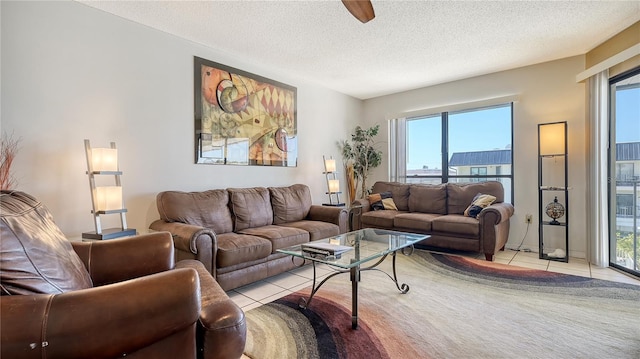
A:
(334, 186)
(552, 138)
(330, 165)
(108, 198)
(104, 159)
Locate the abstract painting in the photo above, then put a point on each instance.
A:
(242, 118)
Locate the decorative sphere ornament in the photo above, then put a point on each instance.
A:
(554, 210)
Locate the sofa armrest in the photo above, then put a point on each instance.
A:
(201, 242)
(494, 228)
(126, 258)
(222, 329)
(496, 213)
(336, 215)
(366, 205)
(109, 321)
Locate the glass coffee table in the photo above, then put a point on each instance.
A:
(355, 252)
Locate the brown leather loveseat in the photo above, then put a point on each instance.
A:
(109, 299)
(235, 232)
(439, 210)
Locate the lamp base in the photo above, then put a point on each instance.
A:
(110, 233)
(334, 204)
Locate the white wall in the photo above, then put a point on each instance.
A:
(71, 72)
(547, 92)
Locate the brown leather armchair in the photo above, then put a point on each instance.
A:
(108, 299)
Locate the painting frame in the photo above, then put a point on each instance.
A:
(241, 118)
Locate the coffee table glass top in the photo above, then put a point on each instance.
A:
(365, 245)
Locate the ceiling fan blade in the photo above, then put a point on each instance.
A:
(361, 9)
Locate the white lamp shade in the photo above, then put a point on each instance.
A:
(330, 165)
(334, 186)
(552, 139)
(108, 198)
(104, 159)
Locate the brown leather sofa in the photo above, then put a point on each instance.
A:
(235, 232)
(438, 210)
(116, 298)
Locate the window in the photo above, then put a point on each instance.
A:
(624, 159)
(624, 205)
(624, 171)
(472, 145)
(478, 171)
(423, 149)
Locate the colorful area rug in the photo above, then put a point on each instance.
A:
(456, 308)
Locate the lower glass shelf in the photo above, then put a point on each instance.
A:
(546, 256)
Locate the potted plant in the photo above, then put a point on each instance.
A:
(8, 151)
(359, 157)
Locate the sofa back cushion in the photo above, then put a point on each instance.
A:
(251, 207)
(399, 193)
(209, 209)
(35, 257)
(428, 198)
(291, 203)
(460, 195)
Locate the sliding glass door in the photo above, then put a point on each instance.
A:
(624, 172)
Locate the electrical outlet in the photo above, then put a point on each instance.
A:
(528, 218)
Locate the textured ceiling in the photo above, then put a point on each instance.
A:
(409, 44)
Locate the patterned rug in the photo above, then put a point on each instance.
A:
(456, 308)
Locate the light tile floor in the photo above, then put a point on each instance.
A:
(270, 289)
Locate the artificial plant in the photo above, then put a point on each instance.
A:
(8, 151)
(362, 155)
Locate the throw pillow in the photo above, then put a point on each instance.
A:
(479, 202)
(382, 201)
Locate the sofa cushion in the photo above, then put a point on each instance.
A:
(428, 198)
(209, 209)
(316, 229)
(399, 192)
(382, 201)
(279, 236)
(234, 248)
(251, 207)
(35, 257)
(415, 221)
(383, 219)
(290, 203)
(456, 224)
(459, 195)
(479, 202)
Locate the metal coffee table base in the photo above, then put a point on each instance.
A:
(355, 278)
